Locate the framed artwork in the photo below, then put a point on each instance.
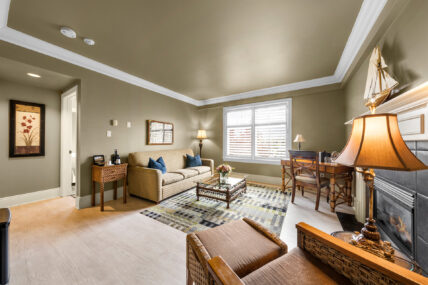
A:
(26, 129)
(159, 133)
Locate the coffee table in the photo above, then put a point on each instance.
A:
(226, 192)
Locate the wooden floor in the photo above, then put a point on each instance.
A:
(53, 243)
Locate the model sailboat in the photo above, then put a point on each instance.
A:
(379, 83)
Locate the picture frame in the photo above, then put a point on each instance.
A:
(26, 129)
(98, 159)
(160, 133)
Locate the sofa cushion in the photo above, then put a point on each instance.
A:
(170, 177)
(201, 169)
(158, 164)
(240, 245)
(295, 267)
(192, 161)
(187, 173)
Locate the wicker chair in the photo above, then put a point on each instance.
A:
(318, 259)
(251, 247)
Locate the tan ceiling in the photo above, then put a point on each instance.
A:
(15, 71)
(202, 49)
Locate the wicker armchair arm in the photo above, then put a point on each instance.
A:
(198, 249)
(222, 273)
(208, 162)
(270, 235)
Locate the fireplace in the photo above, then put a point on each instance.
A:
(395, 215)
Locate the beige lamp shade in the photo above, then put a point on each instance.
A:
(202, 134)
(299, 138)
(376, 142)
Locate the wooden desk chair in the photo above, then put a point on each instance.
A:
(307, 174)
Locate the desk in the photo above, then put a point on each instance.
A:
(110, 173)
(334, 171)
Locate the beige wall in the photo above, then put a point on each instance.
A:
(318, 115)
(101, 99)
(28, 174)
(404, 47)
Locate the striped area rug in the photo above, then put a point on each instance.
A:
(265, 205)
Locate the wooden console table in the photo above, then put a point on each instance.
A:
(110, 173)
(334, 171)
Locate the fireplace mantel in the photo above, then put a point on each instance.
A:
(411, 108)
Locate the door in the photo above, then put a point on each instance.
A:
(68, 142)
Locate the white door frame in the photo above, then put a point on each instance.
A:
(65, 169)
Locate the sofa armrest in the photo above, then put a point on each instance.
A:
(270, 235)
(359, 266)
(222, 273)
(145, 182)
(208, 162)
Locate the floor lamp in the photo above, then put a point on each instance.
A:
(376, 143)
(202, 134)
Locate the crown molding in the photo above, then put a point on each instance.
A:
(367, 16)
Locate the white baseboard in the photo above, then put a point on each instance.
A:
(26, 198)
(85, 201)
(262, 178)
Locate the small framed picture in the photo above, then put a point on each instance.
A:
(99, 159)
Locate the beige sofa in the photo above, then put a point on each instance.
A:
(151, 184)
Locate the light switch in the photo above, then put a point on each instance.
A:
(128, 124)
(114, 123)
(108, 133)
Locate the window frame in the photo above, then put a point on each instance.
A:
(253, 106)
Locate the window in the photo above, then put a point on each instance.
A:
(259, 133)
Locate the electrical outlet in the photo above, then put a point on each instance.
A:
(108, 133)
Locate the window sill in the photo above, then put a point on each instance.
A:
(256, 161)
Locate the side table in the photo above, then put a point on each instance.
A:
(108, 173)
(399, 258)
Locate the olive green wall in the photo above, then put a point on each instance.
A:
(318, 114)
(28, 174)
(404, 48)
(102, 99)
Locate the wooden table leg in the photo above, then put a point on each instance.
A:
(283, 178)
(124, 190)
(115, 190)
(197, 192)
(102, 196)
(93, 193)
(333, 193)
(349, 189)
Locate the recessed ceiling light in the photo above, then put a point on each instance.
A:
(89, 42)
(33, 75)
(68, 32)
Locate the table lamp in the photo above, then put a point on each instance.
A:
(376, 143)
(202, 134)
(299, 139)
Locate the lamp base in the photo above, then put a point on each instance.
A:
(369, 240)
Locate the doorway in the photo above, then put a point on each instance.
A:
(69, 110)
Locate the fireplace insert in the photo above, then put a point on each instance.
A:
(395, 215)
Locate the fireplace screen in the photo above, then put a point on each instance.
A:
(395, 216)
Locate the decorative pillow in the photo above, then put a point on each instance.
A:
(192, 161)
(158, 164)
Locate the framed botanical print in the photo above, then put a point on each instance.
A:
(26, 129)
(159, 133)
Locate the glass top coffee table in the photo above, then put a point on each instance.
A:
(226, 192)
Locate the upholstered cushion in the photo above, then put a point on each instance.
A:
(309, 179)
(192, 161)
(240, 245)
(201, 169)
(187, 173)
(158, 164)
(170, 177)
(295, 267)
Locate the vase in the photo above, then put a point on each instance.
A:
(223, 177)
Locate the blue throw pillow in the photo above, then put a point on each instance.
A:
(159, 164)
(192, 161)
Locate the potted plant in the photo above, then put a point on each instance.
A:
(224, 170)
